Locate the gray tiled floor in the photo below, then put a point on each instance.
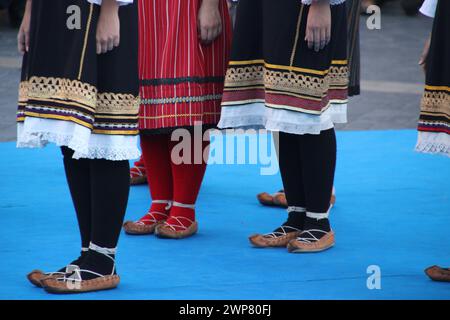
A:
(392, 80)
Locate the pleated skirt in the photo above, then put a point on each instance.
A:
(181, 79)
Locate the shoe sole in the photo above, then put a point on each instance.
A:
(73, 291)
(65, 290)
(139, 233)
(174, 237)
(298, 250)
(131, 233)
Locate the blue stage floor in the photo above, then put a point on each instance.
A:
(393, 211)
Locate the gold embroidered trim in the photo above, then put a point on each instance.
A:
(52, 89)
(297, 35)
(438, 88)
(116, 132)
(286, 81)
(286, 68)
(85, 43)
(117, 103)
(436, 102)
(58, 88)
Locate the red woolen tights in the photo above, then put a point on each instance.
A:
(178, 183)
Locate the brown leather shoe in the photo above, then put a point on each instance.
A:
(36, 277)
(437, 273)
(138, 174)
(145, 225)
(272, 240)
(278, 199)
(52, 285)
(135, 181)
(299, 246)
(165, 230)
(135, 228)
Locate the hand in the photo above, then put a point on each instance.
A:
(423, 58)
(318, 27)
(23, 37)
(209, 21)
(108, 27)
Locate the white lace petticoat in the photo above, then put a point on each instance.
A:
(434, 143)
(37, 133)
(257, 115)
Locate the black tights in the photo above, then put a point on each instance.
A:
(99, 190)
(307, 165)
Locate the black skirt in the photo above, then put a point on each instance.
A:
(76, 93)
(434, 122)
(270, 60)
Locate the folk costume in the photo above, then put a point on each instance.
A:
(434, 122)
(88, 105)
(278, 199)
(181, 85)
(276, 82)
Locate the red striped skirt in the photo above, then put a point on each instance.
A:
(181, 80)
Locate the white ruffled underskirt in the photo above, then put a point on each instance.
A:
(257, 115)
(37, 133)
(434, 143)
